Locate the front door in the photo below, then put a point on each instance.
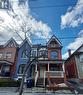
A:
(42, 70)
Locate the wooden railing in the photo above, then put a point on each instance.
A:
(54, 74)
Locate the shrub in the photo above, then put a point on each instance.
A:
(9, 83)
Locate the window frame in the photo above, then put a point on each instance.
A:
(21, 69)
(7, 55)
(33, 50)
(51, 54)
(24, 55)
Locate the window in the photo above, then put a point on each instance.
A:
(53, 68)
(81, 58)
(24, 54)
(43, 52)
(34, 53)
(8, 55)
(6, 68)
(1, 54)
(54, 55)
(21, 69)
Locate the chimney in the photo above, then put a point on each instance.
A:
(69, 52)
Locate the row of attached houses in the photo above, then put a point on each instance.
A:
(48, 69)
(13, 58)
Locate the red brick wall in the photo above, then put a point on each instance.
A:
(70, 68)
(13, 58)
(54, 49)
(12, 50)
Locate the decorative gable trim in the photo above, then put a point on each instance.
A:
(54, 37)
(9, 43)
(26, 40)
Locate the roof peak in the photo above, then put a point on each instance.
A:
(54, 37)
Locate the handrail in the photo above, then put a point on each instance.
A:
(36, 77)
(55, 74)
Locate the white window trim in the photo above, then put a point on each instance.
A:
(7, 54)
(34, 50)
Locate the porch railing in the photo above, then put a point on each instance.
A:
(54, 74)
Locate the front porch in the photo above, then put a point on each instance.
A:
(48, 73)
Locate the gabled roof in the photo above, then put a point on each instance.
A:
(54, 38)
(26, 40)
(76, 52)
(11, 41)
(79, 48)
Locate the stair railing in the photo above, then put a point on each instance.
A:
(36, 77)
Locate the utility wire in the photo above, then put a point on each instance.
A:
(67, 38)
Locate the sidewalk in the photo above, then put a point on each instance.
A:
(31, 90)
(34, 91)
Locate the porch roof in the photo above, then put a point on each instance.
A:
(49, 61)
(5, 62)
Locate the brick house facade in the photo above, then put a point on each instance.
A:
(74, 64)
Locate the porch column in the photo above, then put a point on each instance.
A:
(36, 74)
(35, 67)
(48, 66)
(64, 72)
(63, 68)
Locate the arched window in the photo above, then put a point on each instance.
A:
(24, 54)
(54, 55)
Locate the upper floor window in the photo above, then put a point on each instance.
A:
(43, 53)
(8, 54)
(33, 53)
(81, 58)
(24, 54)
(1, 54)
(54, 55)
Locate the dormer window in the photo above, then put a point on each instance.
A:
(24, 54)
(54, 55)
